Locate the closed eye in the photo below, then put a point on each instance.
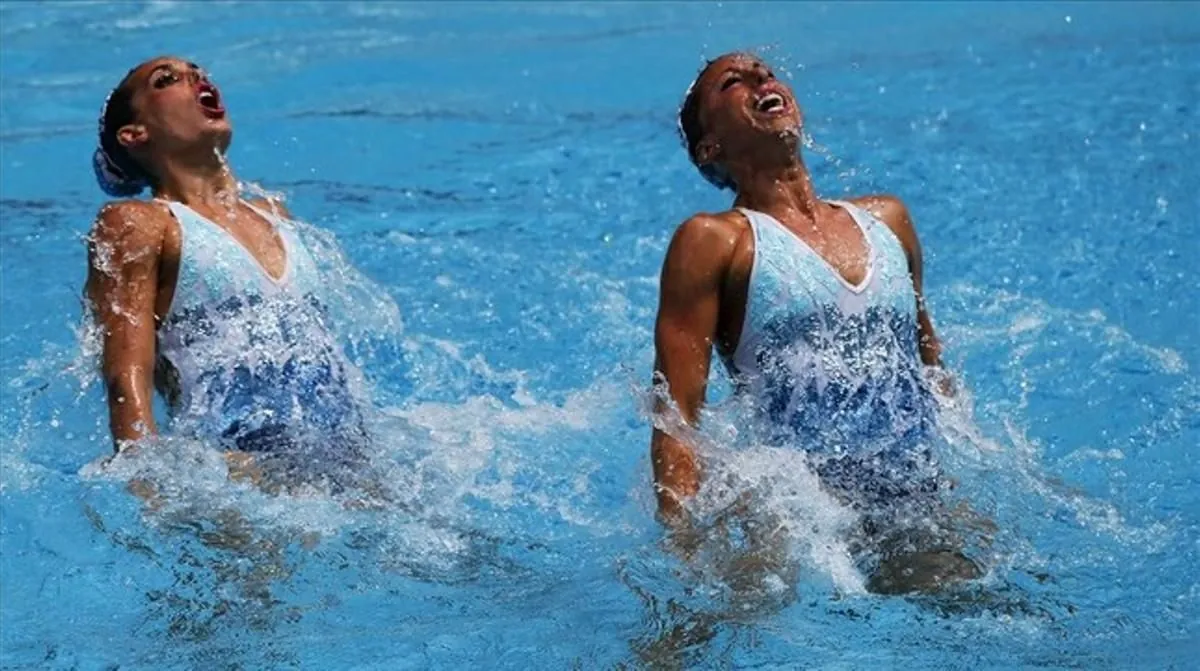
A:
(164, 78)
(730, 82)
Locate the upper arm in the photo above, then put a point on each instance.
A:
(693, 273)
(892, 211)
(123, 260)
(123, 256)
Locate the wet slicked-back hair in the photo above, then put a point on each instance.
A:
(691, 132)
(117, 173)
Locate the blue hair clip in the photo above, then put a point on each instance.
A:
(112, 179)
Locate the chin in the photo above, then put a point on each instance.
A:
(220, 134)
(789, 133)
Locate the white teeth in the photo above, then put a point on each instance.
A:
(770, 102)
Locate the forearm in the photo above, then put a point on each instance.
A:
(130, 408)
(676, 473)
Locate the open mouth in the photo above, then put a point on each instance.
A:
(772, 103)
(210, 101)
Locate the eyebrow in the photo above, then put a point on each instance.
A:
(167, 66)
(735, 68)
(725, 73)
(729, 69)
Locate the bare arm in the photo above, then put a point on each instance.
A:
(689, 306)
(123, 260)
(891, 211)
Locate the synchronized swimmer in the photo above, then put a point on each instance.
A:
(210, 298)
(816, 309)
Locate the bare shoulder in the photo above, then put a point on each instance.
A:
(892, 211)
(709, 234)
(887, 208)
(275, 206)
(702, 250)
(130, 226)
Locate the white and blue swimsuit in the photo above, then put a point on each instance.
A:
(832, 368)
(250, 359)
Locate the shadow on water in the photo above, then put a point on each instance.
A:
(220, 575)
(237, 567)
(711, 616)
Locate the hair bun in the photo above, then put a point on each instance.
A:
(112, 179)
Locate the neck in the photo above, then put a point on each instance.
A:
(204, 179)
(785, 190)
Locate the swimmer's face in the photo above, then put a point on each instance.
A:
(741, 103)
(175, 107)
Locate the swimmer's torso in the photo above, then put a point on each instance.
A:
(832, 367)
(242, 352)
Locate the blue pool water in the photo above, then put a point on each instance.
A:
(505, 178)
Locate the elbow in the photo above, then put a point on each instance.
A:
(130, 406)
(931, 352)
(125, 384)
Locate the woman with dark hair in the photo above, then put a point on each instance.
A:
(815, 307)
(210, 298)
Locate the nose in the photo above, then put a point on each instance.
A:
(197, 76)
(760, 73)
